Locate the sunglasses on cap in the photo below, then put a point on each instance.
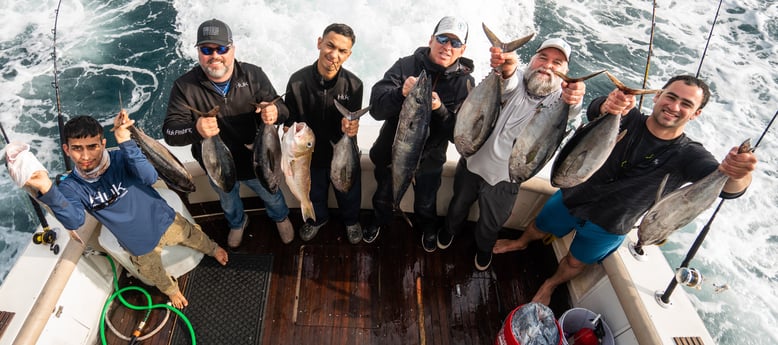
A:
(443, 39)
(221, 50)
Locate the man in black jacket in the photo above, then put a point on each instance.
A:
(220, 80)
(450, 72)
(310, 95)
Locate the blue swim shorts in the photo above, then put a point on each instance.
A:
(591, 243)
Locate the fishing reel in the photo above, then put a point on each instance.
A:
(47, 236)
(690, 277)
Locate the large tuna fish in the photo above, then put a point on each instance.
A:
(678, 208)
(345, 154)
(590, 146)
(412, 131)
(267, 157)
(479, 111)
(538, 141)
(217, 157)
(296, 152)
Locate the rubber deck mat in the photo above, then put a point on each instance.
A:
(226, 303)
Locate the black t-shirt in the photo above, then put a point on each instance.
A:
(626, 186)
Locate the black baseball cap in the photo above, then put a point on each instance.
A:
(214, 31)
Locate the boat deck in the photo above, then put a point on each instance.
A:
(380, 287)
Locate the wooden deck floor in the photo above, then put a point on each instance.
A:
(388, 292)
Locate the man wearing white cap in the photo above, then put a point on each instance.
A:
(483, 176)
(443, 62)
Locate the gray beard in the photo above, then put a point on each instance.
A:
(539, 87)
(215, 73)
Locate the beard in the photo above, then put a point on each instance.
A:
(538, 86)
(216, 72)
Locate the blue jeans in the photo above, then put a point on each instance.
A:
(348, 203)
(275, 205)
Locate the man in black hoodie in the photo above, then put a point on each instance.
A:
(450, 74)
(310, 96)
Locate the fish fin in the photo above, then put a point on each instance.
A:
(621, 135)
(661, 187)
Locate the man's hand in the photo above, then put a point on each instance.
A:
(40, 181)
(573, 93)
(349, 128)
(507, 62)
(268, 112)
(207, 126)
(617, 103)
(120, 124)
(74, 236)
(408, 85)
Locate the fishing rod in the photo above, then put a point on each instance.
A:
(46, 236)
(665, 297)
(55, 84)
(650, 51)
(710, 34)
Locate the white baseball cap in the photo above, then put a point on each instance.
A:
(454, 26)
(557, 43)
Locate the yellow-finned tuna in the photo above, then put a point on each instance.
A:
(296, 152)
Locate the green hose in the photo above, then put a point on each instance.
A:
(118, 293)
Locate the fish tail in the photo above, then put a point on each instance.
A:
(307, 210)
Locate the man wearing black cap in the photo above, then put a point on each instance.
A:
(443, 62)
(483, 176)
(220, 80)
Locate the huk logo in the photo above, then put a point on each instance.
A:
(242, 84)
(342, 97)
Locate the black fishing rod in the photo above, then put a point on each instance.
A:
(650, 52)
(665, 297)
(55, 84)
(46, 236)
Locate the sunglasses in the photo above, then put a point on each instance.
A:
(221, 50)
(106, 203)
(443, 39)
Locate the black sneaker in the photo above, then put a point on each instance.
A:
(483, 260)
(428, 241)
(444, 238)
(370, 233)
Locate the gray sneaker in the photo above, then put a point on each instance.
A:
(354, 233)
(309, 231)
(235, 236)
(285, 230)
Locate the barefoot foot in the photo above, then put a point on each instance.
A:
(504, 246)
(178, 300)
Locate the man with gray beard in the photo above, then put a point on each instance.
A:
(483, 177)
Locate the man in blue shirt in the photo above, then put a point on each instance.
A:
(116, 188)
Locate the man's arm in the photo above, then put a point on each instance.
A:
(65, 210)
(179, 129)
(738, 166)
(386, 96)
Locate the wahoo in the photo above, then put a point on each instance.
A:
(412, 132)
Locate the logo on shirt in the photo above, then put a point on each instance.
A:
(242, 84)
(342, 97)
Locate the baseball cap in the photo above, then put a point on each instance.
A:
(452, 25)
(214, 31)
(557, 43)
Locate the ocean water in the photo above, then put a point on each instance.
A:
(137, 48)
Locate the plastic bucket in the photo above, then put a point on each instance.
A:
(530, 324)
(575, 319)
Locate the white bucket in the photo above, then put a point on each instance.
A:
(574, 319)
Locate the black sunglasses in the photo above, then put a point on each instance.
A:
(221, 50)
(443, 39)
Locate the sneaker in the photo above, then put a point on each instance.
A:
(308, 231)
(483, 260)
(236, 235)
(285, 230)
(444, 238)
(370, 233)
(354, 233)
(428, 241)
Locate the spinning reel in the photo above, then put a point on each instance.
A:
(47, 236)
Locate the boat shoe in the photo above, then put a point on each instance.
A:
(285, 230)
(354, 233)
(236, 235)
(483, 260)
